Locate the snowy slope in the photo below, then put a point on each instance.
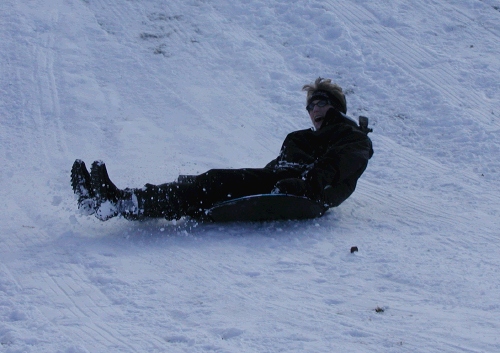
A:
(157, 88)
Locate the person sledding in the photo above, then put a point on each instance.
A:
(322, 164)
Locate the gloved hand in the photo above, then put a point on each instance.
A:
(292, 186)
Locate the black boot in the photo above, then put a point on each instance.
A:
(106, 195)
(80, 181)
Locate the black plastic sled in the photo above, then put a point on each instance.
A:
(265, 207)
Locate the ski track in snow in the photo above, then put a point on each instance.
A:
(158, 88)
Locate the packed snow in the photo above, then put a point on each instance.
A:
(161, 88)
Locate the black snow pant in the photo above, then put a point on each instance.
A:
(193, 195)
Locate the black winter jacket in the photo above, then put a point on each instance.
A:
(331, 159)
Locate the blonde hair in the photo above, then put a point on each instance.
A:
(333, 91)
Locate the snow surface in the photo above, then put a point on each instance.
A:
(158, 88)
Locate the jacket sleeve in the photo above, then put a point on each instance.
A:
(293, 154)
(345, 158)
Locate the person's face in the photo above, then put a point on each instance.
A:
(317, 110)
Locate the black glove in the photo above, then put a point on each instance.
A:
(292, 186)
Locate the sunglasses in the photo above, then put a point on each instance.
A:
(320, 104)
